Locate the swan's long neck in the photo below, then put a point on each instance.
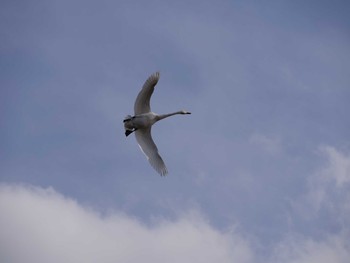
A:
(163, 116)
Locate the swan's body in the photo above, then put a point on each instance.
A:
(142, 122)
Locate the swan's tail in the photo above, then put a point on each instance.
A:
(127, 118)
(128, 125)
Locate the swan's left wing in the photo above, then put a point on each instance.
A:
(149, 148)
(142, 102)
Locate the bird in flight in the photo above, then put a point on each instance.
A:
(141, 123)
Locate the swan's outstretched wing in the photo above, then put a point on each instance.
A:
(149, 148)
(142, 102)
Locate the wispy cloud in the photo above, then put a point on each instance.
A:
(338, 169)
(328, 188)
(304, 250)
(271, 145)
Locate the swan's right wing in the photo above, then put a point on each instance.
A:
(142, 102)
(149, 148)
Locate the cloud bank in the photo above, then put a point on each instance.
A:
(40, 225)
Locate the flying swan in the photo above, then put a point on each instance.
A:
(141, 123)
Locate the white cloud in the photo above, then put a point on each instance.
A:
(40, 225)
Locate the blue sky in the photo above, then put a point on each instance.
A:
(260, 172)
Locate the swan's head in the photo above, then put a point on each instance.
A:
(185, 112)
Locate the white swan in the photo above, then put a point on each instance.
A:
(142, 122)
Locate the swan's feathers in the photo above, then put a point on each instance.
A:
(142, 102)
(149, 148)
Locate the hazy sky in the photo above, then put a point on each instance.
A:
(260, 172)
